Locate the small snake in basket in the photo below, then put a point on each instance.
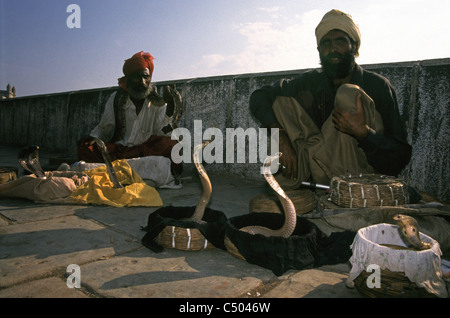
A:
(290, 214)
(206, 185)
(409, 230)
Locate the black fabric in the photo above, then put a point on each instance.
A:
(213, 229)
(306, 248)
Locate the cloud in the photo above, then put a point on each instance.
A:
(283, 39)
(399, 31)
(283, 43)
(270, 10)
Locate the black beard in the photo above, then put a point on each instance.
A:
(338, 70)
(139, 93)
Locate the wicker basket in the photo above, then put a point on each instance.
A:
(304, 201)
(392, 285)
(8, 174)
(370, 190)
(404, 272)
(186, 239)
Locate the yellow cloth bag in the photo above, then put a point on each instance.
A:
(99, 189)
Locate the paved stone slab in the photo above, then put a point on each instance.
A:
(128, 220)
(174, 273)
(52, 287)
(24, 211)
(323, 282)
(34, 249)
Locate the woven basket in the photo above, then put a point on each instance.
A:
(370, 190)
(8, 174)
(392, 285)
(304, 201)
(186, 239)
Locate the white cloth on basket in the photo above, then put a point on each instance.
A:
(421, 267)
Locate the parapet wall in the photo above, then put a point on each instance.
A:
(56, 121)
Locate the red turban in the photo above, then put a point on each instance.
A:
(137, 62)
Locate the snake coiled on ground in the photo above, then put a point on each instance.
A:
(290, 215)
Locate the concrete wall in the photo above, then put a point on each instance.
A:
(56, 121)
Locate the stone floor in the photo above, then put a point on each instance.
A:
(39, 241)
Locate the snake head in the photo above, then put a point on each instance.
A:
(29, 160)
(173, 100)
(268, 166)
(269, 159)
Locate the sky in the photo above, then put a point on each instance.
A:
(41, 54)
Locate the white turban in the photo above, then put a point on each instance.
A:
(339, 20)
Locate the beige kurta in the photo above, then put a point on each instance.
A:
(327, 152)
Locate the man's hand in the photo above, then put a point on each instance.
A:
(288, 159)
(351, 123)
(85, 140)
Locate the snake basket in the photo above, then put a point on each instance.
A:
(384, 267)
(304, 201)
(392, 285)
(305, 248)
(368, 190)
(186, 239)
(169, 227)
(8, 174)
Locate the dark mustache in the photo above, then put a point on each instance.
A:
(139, 87)
(334, 55)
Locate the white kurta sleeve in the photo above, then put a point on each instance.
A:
(105, 129)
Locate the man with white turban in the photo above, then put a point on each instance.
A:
(334, 121)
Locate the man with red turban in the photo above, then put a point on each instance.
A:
(136, 122)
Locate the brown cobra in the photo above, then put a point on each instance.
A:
(29, 160)
(288, 207)
(112, 174)
(409, 230)
(206, 184)
(171, 95)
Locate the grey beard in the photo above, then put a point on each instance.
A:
(139, 94)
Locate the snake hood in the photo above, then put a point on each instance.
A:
(409, 231)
